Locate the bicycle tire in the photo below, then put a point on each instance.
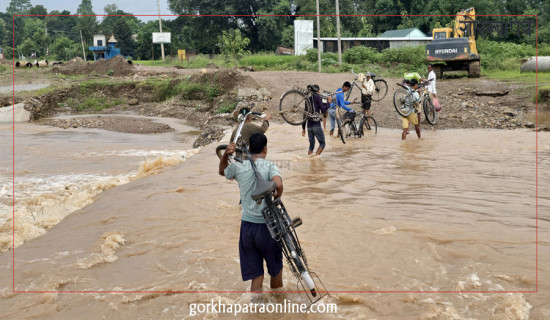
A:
(293, 106)
(399, 102)
(220, 150)
(368, 126)
(380, 89)
(296, 259)
(357, 126)
(348, 128)
(429, 111)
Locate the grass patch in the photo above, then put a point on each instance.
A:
(270, 61)
(227, 107)
(3, 69)
(196, 91)
(166, 89)
(93, 103)
(516, 75)
(193, 62)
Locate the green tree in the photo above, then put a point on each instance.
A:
(108, 23)
(247, 23)
(65, 49)
(87, 23)
(233, 45)
(199, 34)
(123, 35)
(39, 10)
(19, 7)
(367, 30)
(145, 45)
(287, 37)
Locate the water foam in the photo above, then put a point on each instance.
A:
(42, 201)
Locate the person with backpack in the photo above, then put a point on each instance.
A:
(314, 130)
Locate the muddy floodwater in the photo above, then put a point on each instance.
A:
(395, 229)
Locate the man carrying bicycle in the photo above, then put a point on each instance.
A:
(314, 130)
(367, 88)
(249, 128)
(340, 102)
(255, 241)
(413, 116)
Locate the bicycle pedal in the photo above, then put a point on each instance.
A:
(296, 222)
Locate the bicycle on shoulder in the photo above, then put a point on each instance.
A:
(281, 227)
(240, 153)
(403, 100)
(295, 106)
(380, 87)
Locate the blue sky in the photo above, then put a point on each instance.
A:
(135, 7)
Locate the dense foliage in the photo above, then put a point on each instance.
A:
(267, 25)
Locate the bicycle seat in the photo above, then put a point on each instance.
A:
(263, 187)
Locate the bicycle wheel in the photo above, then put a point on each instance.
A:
(429, 111)
(294, 106)
(399, 98)
(348, 128)
(295, 259)
(341, 129)
(368, 126)
(380, 89)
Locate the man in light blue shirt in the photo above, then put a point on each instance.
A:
(341, 102)
(255, 242)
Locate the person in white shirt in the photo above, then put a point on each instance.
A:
(431, 86)
(367, 88)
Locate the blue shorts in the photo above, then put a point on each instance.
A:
(255, 246)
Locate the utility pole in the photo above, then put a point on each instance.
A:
(338, 32)
(82, 41)
(47, 46)
(160, 26)
(318, 38)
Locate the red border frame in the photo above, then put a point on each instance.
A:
(241, 291)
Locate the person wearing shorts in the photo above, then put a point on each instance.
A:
(255, 241)
(412, 119)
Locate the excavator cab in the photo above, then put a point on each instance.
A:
(442, 33)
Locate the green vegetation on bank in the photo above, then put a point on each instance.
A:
(186, 89)
(95, 103)
(499, 60)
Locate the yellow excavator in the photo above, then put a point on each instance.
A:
(453, 49)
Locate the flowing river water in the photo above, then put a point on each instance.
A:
(393, 228)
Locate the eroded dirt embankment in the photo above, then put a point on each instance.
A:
(205, 98)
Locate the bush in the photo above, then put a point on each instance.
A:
(163, 91)
(269, 61)
(415, 57)
(362, 55)
(497, 55)
(311, 55)
(227, 107)
(94, 103)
